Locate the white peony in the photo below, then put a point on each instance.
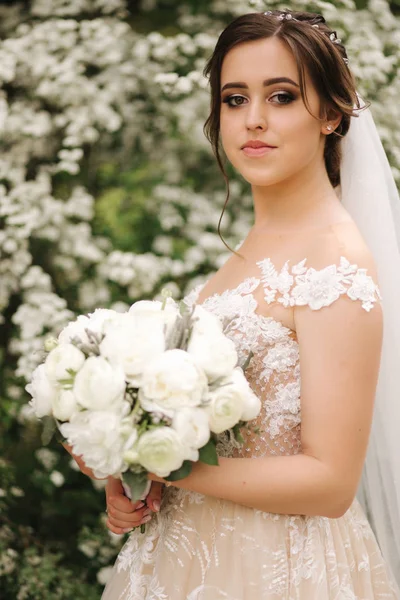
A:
(225, 408)
(101, 318)
(132, 341)
(214, 352)
(172, 381)
(100, 385)
(147, 308)
(161, 451)
(94, 322)
(191, 424)
(100, 438)
(64, 405)
(251, 402)
(63, 358)
(43, 392)
(76, 329)
(205, 322)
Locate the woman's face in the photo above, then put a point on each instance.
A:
(254, 108)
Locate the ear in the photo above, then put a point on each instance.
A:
(332, 119)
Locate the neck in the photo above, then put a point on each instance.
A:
(305, 199)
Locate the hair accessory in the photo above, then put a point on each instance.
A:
(334, 39)
(287, 16)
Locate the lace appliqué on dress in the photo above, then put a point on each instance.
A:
(317, 288)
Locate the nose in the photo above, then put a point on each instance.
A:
(255, 116)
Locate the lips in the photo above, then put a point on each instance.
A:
(256, 144)
(257, 148)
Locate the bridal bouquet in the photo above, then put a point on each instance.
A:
(143, 391)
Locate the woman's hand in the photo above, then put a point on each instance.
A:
(124, 515)
(85, 470)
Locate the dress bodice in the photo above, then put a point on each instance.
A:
(274, 370)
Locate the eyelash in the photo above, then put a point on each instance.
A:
(288, 95)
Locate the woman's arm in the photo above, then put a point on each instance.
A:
(340, 348)
(298, 484)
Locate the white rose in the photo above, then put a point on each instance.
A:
(63, 358)
(131, 456)
(147, 308)
(171, 381)
(100, 385)
(161, 451)
(192, 427)
(251, 402)
(100, 438)
(225, 408)
(214, 352)
(43, 392)
(132, 341)
(64, 405)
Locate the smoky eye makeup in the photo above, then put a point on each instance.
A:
(234, 100)
(287, 96)
(284, 98)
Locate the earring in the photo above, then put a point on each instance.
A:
(329, 127)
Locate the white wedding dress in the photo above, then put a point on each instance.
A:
(203, 548)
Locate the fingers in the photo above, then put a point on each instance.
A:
(153, 499)
(116, 498)
(124, 515)
(122, 522)
(114, 486)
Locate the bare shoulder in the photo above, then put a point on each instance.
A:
(340, 240)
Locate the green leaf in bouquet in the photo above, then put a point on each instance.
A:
(183, 308)
(49, 428)
(58, 435)
(137, 483)
(186, 337)
(237, 433)
(247, 361)
(165, 293)
(208, 453)
(66, 383)
(181, 473)
(172, 340)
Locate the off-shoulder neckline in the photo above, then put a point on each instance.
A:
(296, 269)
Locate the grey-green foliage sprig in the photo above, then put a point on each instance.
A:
(92, 346)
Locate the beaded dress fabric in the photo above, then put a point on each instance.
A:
(203, 548)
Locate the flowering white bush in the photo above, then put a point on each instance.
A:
(108, 189)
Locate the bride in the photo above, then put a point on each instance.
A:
(309, 507)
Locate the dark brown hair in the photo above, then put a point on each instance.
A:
(315, 51)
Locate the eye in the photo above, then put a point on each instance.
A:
(288, 97)
(234, 100)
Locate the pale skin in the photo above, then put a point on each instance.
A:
(293, 197)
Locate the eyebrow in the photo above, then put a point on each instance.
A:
(266, 82)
